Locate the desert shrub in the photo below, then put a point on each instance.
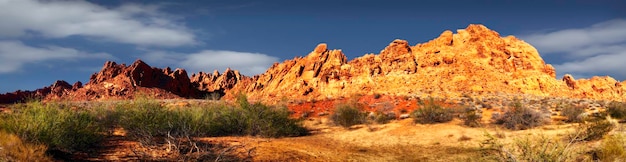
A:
(617, 110)
(268, 121)
(12, 148)
(383, 118)
(55, 126)
(592, 131)
(573, 113)
(613, 148)
(542, 148)
(347, 115)
(472, 117)
(528, 148)
(518, 117)
(432, 113)
(146, 118)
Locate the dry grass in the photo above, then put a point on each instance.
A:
(613, 148)
(13, 148)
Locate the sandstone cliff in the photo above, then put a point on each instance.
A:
(475, 60)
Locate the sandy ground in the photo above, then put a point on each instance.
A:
(399, 140)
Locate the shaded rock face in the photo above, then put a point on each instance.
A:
(117, 81)
(474, 60)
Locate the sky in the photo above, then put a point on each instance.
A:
(42, 41)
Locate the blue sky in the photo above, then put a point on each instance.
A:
(48, 40)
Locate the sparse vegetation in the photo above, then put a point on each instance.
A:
(529, 148)
(573, 113)
(68, 128)
(54, 125)
(145, 118)
(518, 117)
(383, 118)
(432, 112)
(617, 110)
(472, 117)
(347, 115)
(593, 130)
(613, 148)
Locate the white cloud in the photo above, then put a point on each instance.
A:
(14, 55)
(596, 50)
(209, 60)
(130, 23)
(571, 40)
(608, 64)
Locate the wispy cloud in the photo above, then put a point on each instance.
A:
(130, 23)
(14, 55)
(599, 49)
(208, 60)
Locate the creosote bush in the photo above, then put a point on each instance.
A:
(347, 115)
(518, 117)
(617, 110)
(146, 118)
(573, 113)
(472, 117)
(593, 130)
(54, 125)
(431, 113)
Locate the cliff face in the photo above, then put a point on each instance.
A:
(475, 60)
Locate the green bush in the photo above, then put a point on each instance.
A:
(55, 126)
(347, 115)
(518, 117)
(383, 118)
(572, 113)
(432, 113)
(268, 121)
(472, 117)
(617, 110)
(592, 131)
(146, 118)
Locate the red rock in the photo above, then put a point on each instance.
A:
(116, 81)
(57, 89)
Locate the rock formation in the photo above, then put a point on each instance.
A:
(474, 61)
(115, 81)
(216, 82)
(58, 89)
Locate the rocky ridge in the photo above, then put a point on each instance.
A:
(474, 61)
(56, 90)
